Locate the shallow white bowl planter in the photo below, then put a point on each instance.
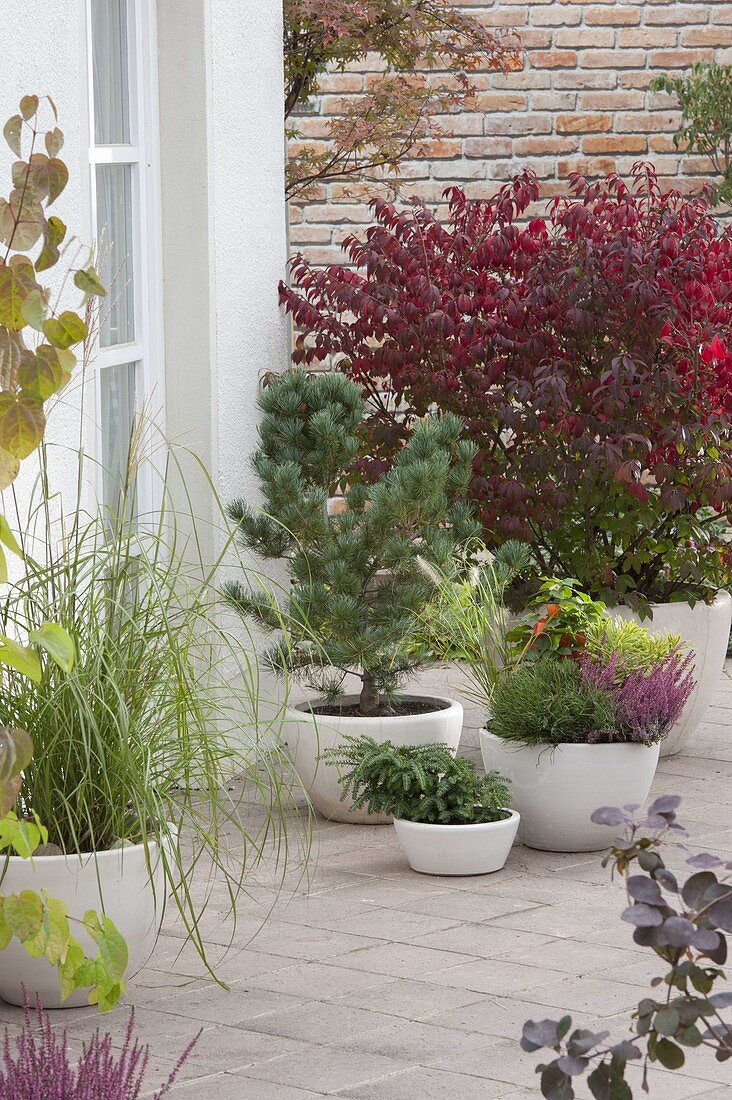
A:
(705, 629)
(117, 881)
(308, 735)
(556, 789)
(457, 849)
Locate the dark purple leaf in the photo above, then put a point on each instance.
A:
(679, 931)
(666, 804)
(582, 1040)
(642, 916)
(704, 860)
(721, 1000)
(695, 888)
(609, 815)
(645, 889)
(571, 1065)
(706, 940)
(542, 1033)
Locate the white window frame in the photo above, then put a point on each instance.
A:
(147, 348)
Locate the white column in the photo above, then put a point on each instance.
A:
(223, 224)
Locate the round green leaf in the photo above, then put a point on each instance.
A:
(12, 131)
(669, 1054)
(28, 106)
(22, 423)
(23, 914)
(65, 330)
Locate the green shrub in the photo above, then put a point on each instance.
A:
(547, 702)
(418, 783)
(636, 649)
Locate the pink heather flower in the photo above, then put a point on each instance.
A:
(39, 1066)
(646, 704)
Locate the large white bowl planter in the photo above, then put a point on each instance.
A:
(705, 629)
(556, 789)
(307, 735)
(457, 849)
(118, 882)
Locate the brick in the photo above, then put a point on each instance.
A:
(538, 146)
(721, 15)
(707, 36)
(525, 81)
(342, 212)
(340, 82)
(680, 14)
(613, 59)
(503, 17)
(553, 101)
(558, 15)
(637, 79)
(582, 80)
(519, 124)
(584, 36)
(553, 59)
(648, 37)
(612, 17)
(441, 148)
(582, 124)
(611, 143)
(495, 101)
(535, 38)
(587, 166)
(309, 234)
(641, 122)
(614, 100)
(678, 59)
(488, 147)
(468, 169)
(662, 143)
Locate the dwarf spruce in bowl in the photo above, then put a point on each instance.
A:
(418, 783)
(449, 820)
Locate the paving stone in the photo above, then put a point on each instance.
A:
(428, 1084)
(487, 941)
(316, 1022)
(413, 1042)
(492, 976)
(227, 1086)
(411, 999)
(401, 959)
(325, 1069)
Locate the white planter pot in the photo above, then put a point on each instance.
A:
(557, 789)
(308, 735)
(457, 849)
(118, 882)
(705, 629)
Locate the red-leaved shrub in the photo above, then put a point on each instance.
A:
(589, 352)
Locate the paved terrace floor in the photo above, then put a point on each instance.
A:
(371, 982)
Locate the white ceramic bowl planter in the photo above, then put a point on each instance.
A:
(556, 789)
(308, 735)
(705, 629)
(118, 882)
(457, 849)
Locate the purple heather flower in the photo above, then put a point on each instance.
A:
(647, 704)
(36, 1065)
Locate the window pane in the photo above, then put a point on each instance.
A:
(118, 406)
(111, 69)
(114, 228)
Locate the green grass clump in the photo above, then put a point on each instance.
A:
(546, 702)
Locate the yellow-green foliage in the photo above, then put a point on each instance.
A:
(637, 649)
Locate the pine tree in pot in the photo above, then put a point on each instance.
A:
(357, 584)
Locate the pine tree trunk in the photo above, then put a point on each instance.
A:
(368, 703)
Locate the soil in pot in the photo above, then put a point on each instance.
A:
(398, 709)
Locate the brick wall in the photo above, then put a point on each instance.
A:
(581, 103)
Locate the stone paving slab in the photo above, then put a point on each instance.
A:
(355, 977)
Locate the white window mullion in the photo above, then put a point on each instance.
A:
(124, 162)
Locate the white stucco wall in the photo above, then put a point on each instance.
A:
(224, 237)
(43, 47)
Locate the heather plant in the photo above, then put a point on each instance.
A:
(430, 51)
(588, 351)
(358, 585)
(424, 783)
(646, 703)
(685, 923)
(36, 1065)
